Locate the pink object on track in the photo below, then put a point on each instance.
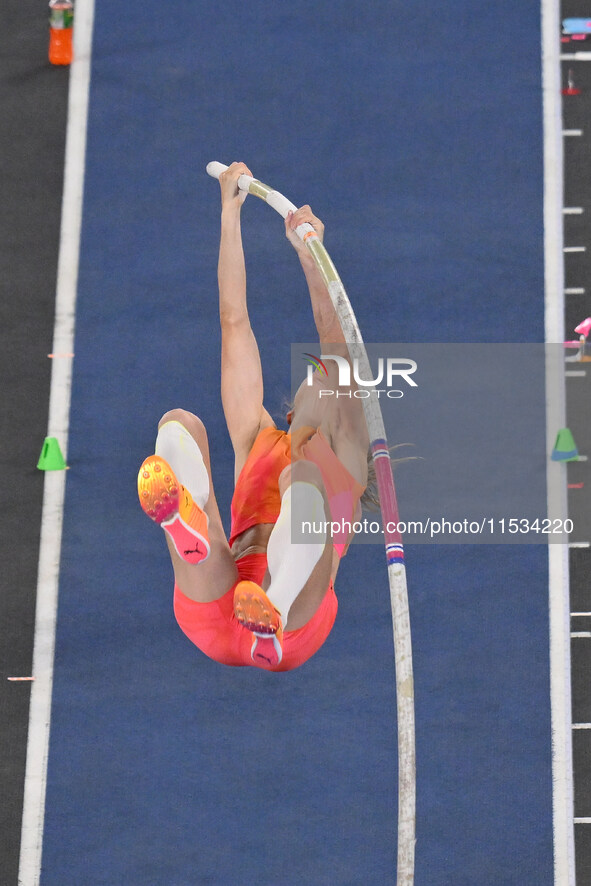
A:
(584, 328)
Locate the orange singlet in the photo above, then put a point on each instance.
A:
(213, 626)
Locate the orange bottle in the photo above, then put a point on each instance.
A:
(61, 19)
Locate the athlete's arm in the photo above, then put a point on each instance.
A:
(342, 419)
(325, 317)
(242, 377)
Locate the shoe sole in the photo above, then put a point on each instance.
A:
(160, 497)
(254, 610)
(256, 613)
(266, 650)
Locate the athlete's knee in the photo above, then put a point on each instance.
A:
(307, 497)
(188, 419)
(303, 471)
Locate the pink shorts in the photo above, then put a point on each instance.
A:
(214, 629)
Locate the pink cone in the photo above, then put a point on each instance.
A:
(584, 328)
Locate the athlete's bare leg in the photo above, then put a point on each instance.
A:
(213, 577)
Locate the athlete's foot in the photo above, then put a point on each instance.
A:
(170, 505)
(256, 613)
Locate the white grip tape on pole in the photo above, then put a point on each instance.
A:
(283, 206)
(215, 169)
(244, 182)
(280, 203)
(304, 229)
(275, 200)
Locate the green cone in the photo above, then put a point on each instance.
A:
(51, 458)
(565, 448)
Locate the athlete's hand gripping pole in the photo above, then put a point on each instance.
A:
(275, 200)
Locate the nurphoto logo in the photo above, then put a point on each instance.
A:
(391, 370)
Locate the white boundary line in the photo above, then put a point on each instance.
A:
(560, 685)
(577, 56)
(55, 481)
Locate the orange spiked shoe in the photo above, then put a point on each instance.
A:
(256, 613)
(171, 506)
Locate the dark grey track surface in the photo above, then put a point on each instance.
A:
(33, 100)
(576, 111)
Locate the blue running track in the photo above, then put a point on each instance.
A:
(416, 135)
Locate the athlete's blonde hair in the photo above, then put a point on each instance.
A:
(370, 498)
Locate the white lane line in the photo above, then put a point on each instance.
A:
(558, 566)
(573, 210)
(578, 373)
(581, 635)
(581, 725)
(575, 290)
(577, 56)
(58, 426)
(579, 544)
(582, 820)
(580, 614)
(572, 132)
(575, 249)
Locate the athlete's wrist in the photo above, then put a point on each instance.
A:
(231, 209)
(306, 259)
(230, 220)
